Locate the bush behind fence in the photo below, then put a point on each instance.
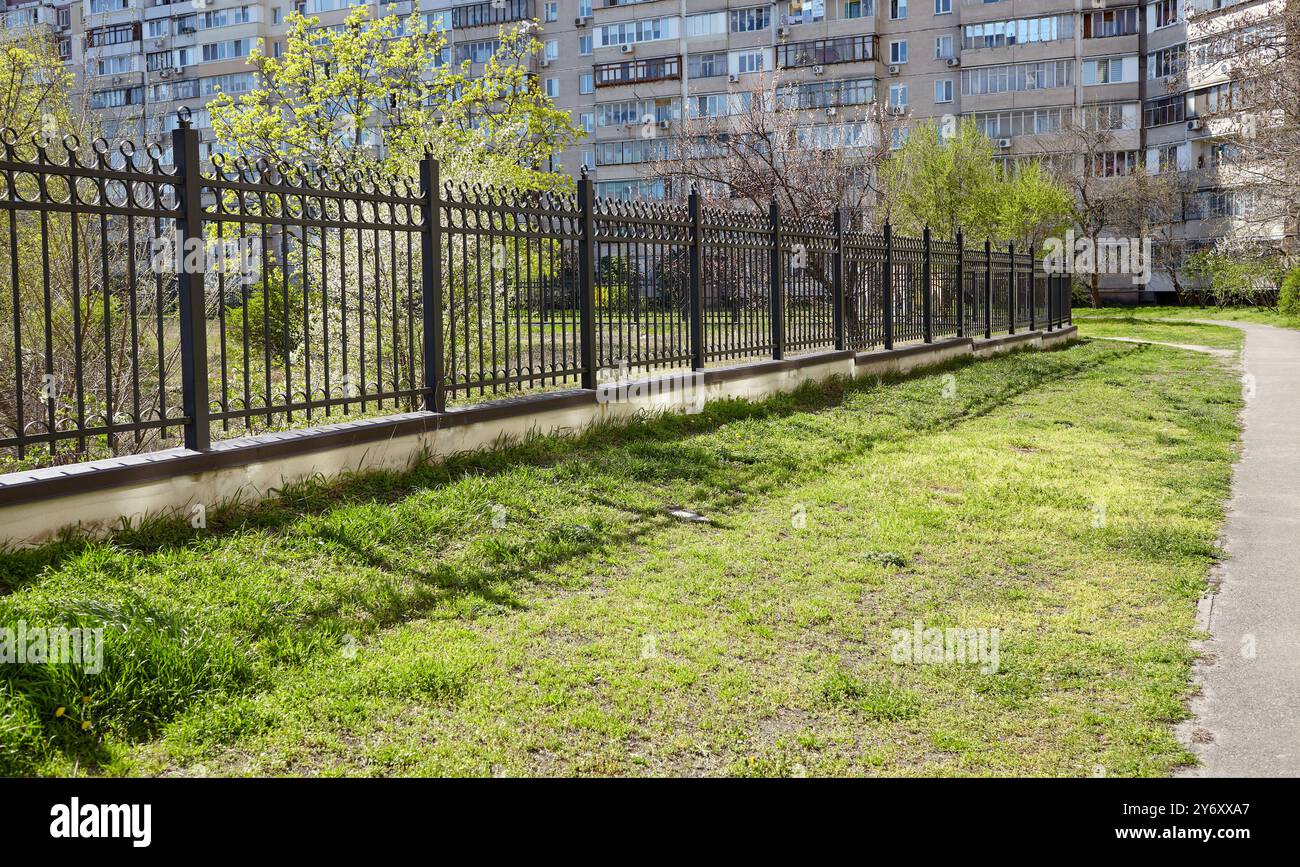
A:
(147, 304)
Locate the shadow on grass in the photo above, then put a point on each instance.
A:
(661, 435)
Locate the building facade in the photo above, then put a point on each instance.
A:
(630, 71)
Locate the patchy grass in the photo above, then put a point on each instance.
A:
(1138, 328)
(383, 625)
(1261, 315)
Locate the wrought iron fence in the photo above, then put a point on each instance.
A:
(148, 303)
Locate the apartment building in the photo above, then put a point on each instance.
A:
(630, 71)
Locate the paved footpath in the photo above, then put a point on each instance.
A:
(1247, 720)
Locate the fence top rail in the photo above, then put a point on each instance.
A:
(486, 197)
(266, 177)
(642, 211)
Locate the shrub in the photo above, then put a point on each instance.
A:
(1288, 299)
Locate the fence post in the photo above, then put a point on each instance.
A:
(776, 284)
(926, 312)
(587, 279)
(189, 288)
(961, 285)
(1033, 291)
(988, 289)
(837, 280)
(697, 281)
(887, 290)
(435, 394)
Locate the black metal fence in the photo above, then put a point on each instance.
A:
(149, 303)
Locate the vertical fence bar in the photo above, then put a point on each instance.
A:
(1033, 292)
(988, 289)
(1011, 287)
(926, 311)
(961, 284)
(887, 290)
(1067, 298)
(837, 280)
(587, 280)
(776, 284)
(1051, 303)
(189, 286)
(697, 281)
(435, 392)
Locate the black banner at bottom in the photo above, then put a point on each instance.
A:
(214, 817)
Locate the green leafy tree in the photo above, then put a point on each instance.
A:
(1031, 205)
(378, 94)
(946, 179)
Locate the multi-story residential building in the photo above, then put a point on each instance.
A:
(630, 71)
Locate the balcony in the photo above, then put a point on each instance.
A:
(819, 52)
(640, 71)
(491, 13)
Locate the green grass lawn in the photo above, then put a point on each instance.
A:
(1141, 328)
(384, 625)
(1261, 315)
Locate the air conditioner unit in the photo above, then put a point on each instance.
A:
(664, 124)
(545, 62)
(733, 78)
(896, 110)
(627, 49)
(894, 70)
(1196, 124)
(1004, 143)
(819, 70)
(117, 79)
(783, 32)
(953, 62)
(832, 111)
(580, 21)
(166, 73)
(159, 43)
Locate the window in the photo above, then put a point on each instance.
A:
(897, 10)
(898, 51)
(751, 19)
(637, 111)
(1164, 13)
(1025, 121)
(1109, 70)
(588, 121)
(584, 8)
(748, 61)
(1017, 31)
(120, 34)
(942, 47)
(157, 28)
(98, 7)
(1113, 164)
(551, 12)
(1164, 159)
(706, 65)
(552, 50)
(228, 50)
(942, 7)
(476, 52)
(277, 15)
(1110, 116)
(630, 32)
(858, 9)
(584, 44)
(805, 12)
(1016, 77)
(943, 90)
(1167, 109)
(1110, 22)
(113, 65)
(157, 60)
(586, 83)
(1166, 61)
(706, 24)
(718, 104)
(828, 94)
(898, 95)
(553, 88)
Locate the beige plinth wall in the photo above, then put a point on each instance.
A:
(97, 496)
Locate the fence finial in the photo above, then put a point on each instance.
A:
(582, 172)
